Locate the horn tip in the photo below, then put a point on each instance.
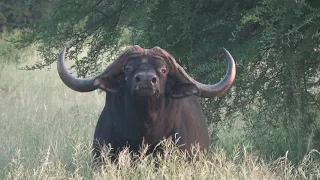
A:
(227, 52)
(225, 49)
(63, 52)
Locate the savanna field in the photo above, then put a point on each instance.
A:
(47, 129)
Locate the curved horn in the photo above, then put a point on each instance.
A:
(87, 85)
(209, 91)
(81, 85)
(222, 86)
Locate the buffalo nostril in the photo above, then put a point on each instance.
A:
(154, 80)
(138, 79)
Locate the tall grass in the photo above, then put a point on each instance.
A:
(46, 133)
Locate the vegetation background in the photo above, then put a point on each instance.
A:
(267, 126)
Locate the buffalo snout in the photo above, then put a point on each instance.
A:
(145, 83)
(145, 78)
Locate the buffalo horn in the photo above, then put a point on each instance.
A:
(86, 85)
(209, 91)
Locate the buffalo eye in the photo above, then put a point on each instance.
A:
(164, 71)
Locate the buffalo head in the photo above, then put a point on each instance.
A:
(145, 74)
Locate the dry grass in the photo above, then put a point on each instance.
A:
(46, 133)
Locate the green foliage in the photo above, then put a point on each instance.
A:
(17, 14)
(2, 19)
(285, 69)
(78, 25)
(8, 52)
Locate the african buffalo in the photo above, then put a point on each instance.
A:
(149, 97)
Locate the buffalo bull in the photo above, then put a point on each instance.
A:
(149, 97)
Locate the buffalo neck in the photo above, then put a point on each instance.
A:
(145, 110)
(147, 114)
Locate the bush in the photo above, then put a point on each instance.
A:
(8, 52)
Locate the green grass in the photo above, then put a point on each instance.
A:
(46, 133)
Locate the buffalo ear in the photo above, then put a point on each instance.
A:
(107, 84)
(182, 90)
